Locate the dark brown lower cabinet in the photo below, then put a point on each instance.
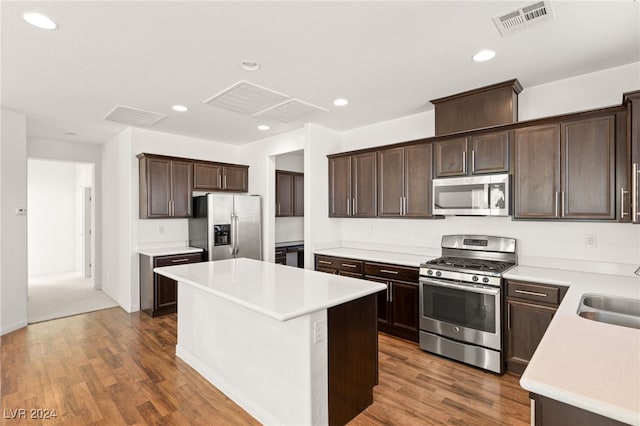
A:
(281, 255)
(352, 347)
(159, 294)
(398, 306)
(530, 308)
(549, 412)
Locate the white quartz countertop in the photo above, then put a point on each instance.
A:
(378, 256)
(584, 363)
(167, 251)
(278, 291)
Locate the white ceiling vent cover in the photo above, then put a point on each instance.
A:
(516, 20)
(246, 98)
(289, 111)
(134, 116)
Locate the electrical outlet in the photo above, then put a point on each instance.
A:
(161, 229)
(590, 241)
(318, 331)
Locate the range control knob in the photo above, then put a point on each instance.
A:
(438, 273)
(429, 272)
(474, 278)
(485, 280)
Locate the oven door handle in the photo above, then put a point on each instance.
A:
(472, 288)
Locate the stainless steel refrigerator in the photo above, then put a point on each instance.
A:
(227, 226)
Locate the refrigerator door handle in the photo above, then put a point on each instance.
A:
(232, 249)
(236, 247)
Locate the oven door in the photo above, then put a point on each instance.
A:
(465, 312)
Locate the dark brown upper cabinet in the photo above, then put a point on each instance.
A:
(165, 186)
(289, 193)
(476, 154)
(404, 181)
(352, 185)
(566, 170)
(220, 177)
(487, 106)
(631, 175)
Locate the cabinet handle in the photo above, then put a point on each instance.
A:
(622, 212)
(388, 271)
(405, 206)
(556, 203)
(179, 260)
(219, 181)
(508, 316)
(348, 265)
(473, 161)
(355, 205)
(390, 287)
(401, 206)
(464, 162)
(531, 293)
(562, 203)
(634, 192)
(348, 207)
(325, 262)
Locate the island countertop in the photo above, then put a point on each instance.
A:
(278, 291)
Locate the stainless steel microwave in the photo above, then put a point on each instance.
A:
(486, 195)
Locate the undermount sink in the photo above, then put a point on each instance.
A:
(610, 310)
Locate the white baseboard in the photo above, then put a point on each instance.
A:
(12, 327)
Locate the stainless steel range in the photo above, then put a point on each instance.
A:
(461, 299)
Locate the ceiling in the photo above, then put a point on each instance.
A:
(387, 58)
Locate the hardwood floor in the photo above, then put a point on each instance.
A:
(113, 368)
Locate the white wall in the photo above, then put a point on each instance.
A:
(53, 214)
(13, 228)
(290, 228)
(560, 244)
(89, 160)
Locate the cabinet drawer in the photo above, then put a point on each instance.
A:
(536, 292)
(394, 272)
(325, 262)
(177, 259)
(350, 266)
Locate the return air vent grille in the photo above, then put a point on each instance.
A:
(516, 20)
(134, 116)
(289, 110)
(246, 98)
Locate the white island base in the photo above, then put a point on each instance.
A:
(264, 335)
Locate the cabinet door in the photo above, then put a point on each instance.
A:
(284, 194)
(207, 177)
(404, 305)
(490, 153)
(537, 172)
(158, 187)
(391, 182)
(364, 189)
(526, 324)
(588, 169)
(181, 188)
(166, 293)
(450, 157)
(417, 180)
(235, 178)
(298, 195)
(340, 186)
(383, 300)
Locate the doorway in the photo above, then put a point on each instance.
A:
(289, 208)
(60, 240)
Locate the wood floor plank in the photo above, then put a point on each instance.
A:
(113, 368)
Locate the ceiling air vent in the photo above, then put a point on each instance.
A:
(516, 20)
(133, 116)
(289, 110)
(246, 98)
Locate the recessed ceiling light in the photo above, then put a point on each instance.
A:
(180, 108)
(484, 55)
(340, 102)
(249, 66)
(263, 127)
(39, 20)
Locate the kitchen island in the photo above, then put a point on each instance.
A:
(290, 346)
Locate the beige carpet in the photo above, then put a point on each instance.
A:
(63, 295)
